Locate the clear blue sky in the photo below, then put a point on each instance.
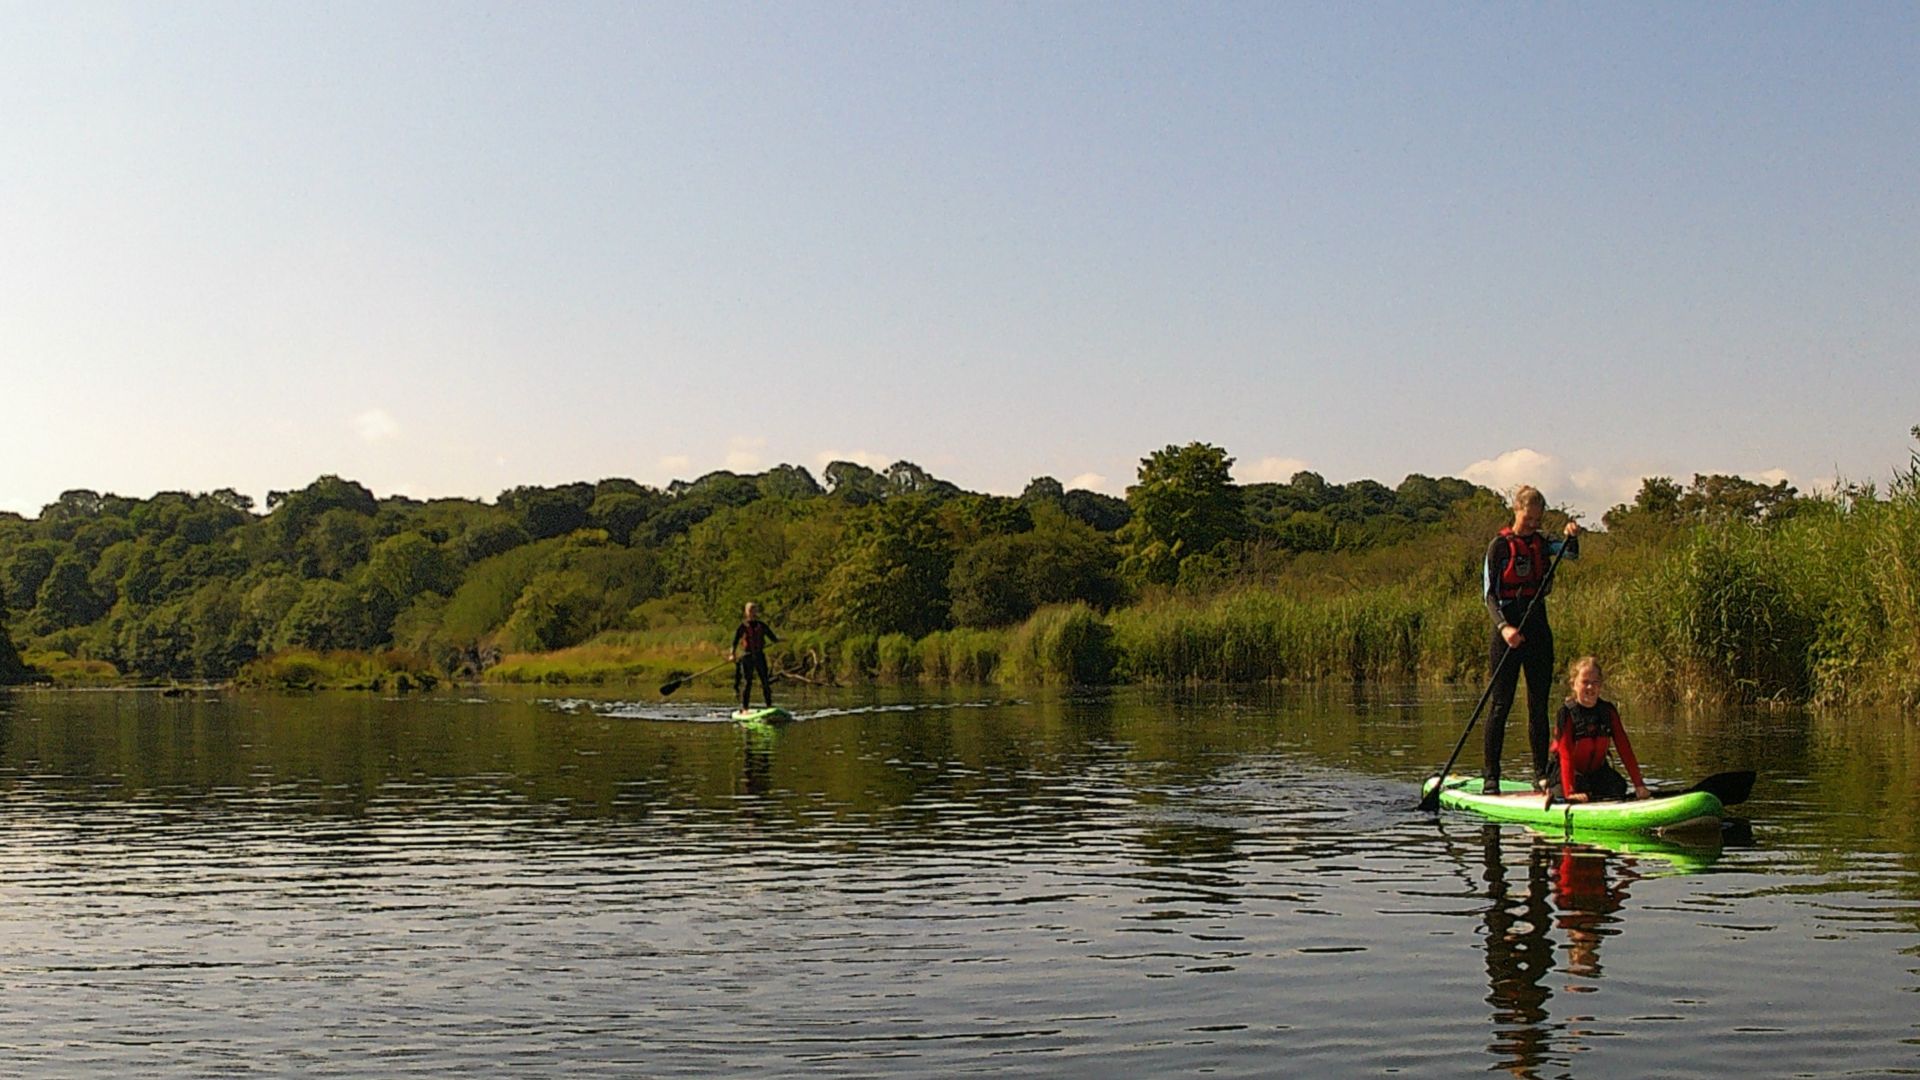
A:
(445, 249)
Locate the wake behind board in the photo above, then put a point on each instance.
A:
(1518, 802)
(771, 715)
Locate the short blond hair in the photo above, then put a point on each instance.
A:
(1583, 664)
(1526, 495)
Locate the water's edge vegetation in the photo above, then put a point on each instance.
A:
(1722, 588)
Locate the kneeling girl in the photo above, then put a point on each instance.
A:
(1589, 726)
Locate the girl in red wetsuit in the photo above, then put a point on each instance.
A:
(1588, 727)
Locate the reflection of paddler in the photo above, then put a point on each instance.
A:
(759, 770)
(1586, 903)
(1519, 955)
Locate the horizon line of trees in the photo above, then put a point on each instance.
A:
(196, 585)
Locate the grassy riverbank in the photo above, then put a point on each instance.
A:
(1821, 606)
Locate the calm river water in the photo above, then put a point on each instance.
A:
(1129, 884)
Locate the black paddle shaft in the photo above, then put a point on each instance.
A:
(1431, 800)
(671, 685)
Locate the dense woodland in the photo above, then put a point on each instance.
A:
(896, 572)
(197, 585)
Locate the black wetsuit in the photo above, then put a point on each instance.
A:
(752, 660)
(1507, 595)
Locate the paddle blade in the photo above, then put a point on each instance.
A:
(1731, 788)
(1430, 799)
(671, 685)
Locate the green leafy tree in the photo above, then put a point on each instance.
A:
(789, 482)
(893, 574)
(334, 544)
(1185, 504)
(1306, 531)
(906, 478)
(488, 537)
(400, 568)
(60, 519)
(154, 642)
(621, 514)
(547, 512)
(554, 611)
(220, 638)
(967, 518)
(1719, 497)
(1364, 499)
(328, 615)
(1427, 500)
(266, 596)
(408, 564)
(293, 511)
(12, 670)
(1656, 504)
(1001, 579)
(1103, 512)
(67, 597)
(853, 483)
(691, 503)
(100, 534)
(23, 570)
(1044, 489)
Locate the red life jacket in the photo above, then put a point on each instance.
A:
(1586, 735)
(1526, 566)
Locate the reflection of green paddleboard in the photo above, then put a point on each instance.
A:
(1517, 802)
(1649, 850)
(772, 715)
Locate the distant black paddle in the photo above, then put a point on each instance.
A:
(671, 685)
(1431, 800)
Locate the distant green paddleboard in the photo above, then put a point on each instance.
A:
(773, 715)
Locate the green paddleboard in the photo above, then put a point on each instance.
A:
(1520, 803)
(773, 715)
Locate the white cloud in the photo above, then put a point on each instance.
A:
(1089, 481)
(1596, 492)
(1276, 470)
(1774, 476)
(376, 425)
(1516, 467)
(1588, 491)
(676, 463)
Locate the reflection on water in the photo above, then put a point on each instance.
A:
(1550, 905)
(1134, 884)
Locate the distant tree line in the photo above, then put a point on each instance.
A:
(196, 585)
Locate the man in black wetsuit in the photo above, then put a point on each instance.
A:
(749, 654)
(1515, 573)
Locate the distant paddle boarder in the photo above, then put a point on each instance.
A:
(749, 654)
(1515, 575)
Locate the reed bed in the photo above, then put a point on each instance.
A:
(1822, 606)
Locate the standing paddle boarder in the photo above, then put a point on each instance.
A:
(1514, 586)
(749, 654)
